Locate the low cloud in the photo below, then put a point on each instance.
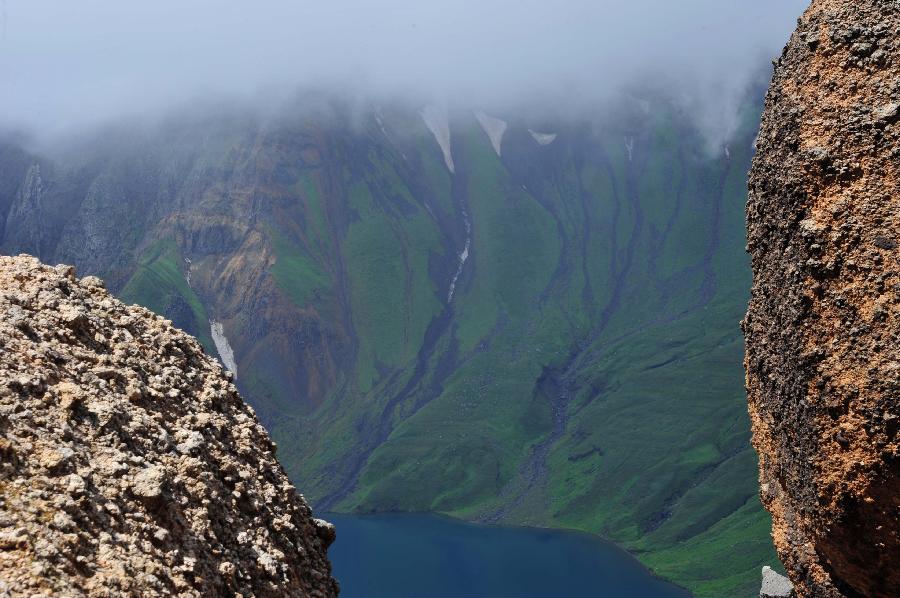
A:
(68, 64)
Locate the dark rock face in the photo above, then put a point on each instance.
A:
(823, 353)
(129, 465)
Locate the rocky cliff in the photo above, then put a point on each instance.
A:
(823, 353)
(130, 465)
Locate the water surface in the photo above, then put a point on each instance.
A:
(427, 556)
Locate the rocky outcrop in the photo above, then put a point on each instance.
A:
(823, 328)
(130, 465)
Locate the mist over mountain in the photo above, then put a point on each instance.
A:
(66, 65)
(462, 315)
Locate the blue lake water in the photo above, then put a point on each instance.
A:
(425, 556)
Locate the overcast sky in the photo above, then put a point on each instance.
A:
(72, 63)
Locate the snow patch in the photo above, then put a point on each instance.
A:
(629, 147)
(436, 120)
(223, 346)
(188, 270)
(494, 127)
(463, 256)
(380, 122)
(381, 125)
(543, 138)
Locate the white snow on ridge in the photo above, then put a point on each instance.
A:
(494, 127)
(543, 138)
(436, 120)
(223, 346)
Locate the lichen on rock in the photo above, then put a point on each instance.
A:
(129, 465)
(823, 327)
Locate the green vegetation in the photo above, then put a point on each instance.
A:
(159, 285)
(624, 279)
(295, 274)
(516, 246)
(393, 299)
(587, 373)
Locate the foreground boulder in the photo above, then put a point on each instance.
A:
(129, 465)
(823, 328)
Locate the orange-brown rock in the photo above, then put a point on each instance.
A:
(823, 328)
(129, 465)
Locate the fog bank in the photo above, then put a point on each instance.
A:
(70, 64)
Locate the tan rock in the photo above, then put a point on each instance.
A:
(13, 539)
(823, 328)
(148, 483)
(110, 484)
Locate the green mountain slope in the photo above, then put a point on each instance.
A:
(548, 336)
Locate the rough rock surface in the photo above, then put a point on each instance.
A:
(129, 465)
(775, 585)
(823, 328)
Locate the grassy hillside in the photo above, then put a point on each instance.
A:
(590, 373)
(159, 284)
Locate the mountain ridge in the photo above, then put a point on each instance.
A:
(584, 371)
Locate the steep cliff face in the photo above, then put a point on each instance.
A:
(130, 465)
(823, 328)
